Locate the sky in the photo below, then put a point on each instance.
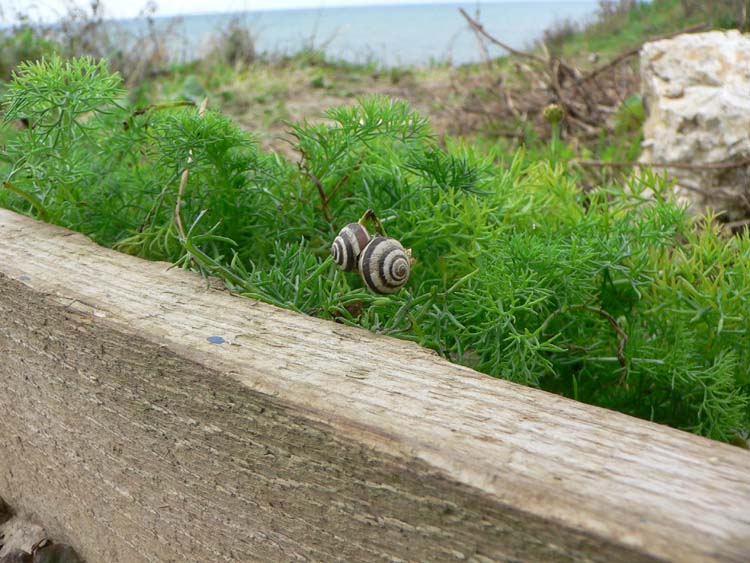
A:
(50, 10)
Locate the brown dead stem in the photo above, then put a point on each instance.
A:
(589, 100)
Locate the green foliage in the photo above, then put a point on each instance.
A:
(64, 104)
(56, 92)
(24, 43)
(610, 296)
(720, 13)
(623, 24)
(624, 143)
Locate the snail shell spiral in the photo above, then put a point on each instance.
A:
(385, 265)
(348, 245)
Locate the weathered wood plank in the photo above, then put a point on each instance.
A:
(135, 439)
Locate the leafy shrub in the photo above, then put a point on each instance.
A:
(234, 45)
(612, 296)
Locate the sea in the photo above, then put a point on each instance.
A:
(389, 35)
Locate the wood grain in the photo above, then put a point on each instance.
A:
(135, 439)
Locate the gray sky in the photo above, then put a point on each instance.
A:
(51, 9)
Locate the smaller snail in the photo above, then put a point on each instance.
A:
(348, 245)
(385, 265)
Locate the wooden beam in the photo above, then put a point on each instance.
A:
(132, 435)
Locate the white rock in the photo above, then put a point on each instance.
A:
(697, 91)
(21, 534)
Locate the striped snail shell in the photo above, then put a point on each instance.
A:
(348, 245)
(385, 265)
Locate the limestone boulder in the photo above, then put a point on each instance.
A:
(696, 90)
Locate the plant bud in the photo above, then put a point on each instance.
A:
(553, 113)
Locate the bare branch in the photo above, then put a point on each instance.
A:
(479, 28)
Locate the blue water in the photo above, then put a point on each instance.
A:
(390, 35)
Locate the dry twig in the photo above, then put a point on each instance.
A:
(587, 99)
(184, 179)
(622, 337)
(479, 28)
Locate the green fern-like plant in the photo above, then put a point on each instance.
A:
(613, 296)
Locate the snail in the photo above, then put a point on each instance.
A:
(385, 265)
(348, 245)
(383, 262)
